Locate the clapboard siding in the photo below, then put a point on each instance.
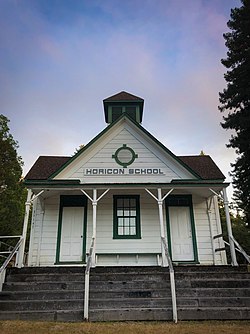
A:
(45, 225)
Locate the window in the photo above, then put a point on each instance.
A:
(116, 111)
(126, 217)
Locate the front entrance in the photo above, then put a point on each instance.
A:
(72, 234)
(180, 228)
(181, 234)
(71, 241)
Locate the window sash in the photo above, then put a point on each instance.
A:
(126, 216)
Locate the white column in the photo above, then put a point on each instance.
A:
(162, 230)
(94, 205)
(25, 226)
(209, 212)
(229, 229)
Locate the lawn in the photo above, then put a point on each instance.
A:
(206, 327)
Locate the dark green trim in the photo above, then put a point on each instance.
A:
(185, 262)
(70, 262)
(125, 116)
(115, 220)
(181, 201)
(125, 164)
(119, 253)
(52, 184)
(71, 201)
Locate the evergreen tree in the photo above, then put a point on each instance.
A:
(12, 191)
(235, 100)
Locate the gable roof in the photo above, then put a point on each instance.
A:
(202, 165)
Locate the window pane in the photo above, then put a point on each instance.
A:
(119, 203)
(126, 203)
(132, 213)
(120, 222)
(132, 203)
(126, 221)
(132, 222)
(119, 212)
(132, 231)
(126, 212)
(120, 230)
(126, 230)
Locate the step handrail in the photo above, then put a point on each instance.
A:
(239, 248)
(172, 279)
(7, 261)
(86, 284)
(12, 253)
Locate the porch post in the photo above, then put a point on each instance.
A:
(25, 225)
(162, 230)
(209, 212)
(229, 229)
(94, 205)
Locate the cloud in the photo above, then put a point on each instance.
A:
(58, 62)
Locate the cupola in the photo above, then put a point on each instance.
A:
(123, 103)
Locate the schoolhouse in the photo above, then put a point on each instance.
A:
(126, 192)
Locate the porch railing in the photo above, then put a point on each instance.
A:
(9, 257)
(172, 279)
(87, 273)
(238, 247)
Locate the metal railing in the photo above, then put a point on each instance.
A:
(172, 279)
(87, 273)
(9, 258)
(238, 247)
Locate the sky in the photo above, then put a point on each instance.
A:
(60, 58)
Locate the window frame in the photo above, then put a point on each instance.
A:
(137, 220)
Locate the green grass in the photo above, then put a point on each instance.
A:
(188, 327)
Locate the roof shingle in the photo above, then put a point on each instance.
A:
(123, 96)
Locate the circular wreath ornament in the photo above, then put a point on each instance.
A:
(125, 156)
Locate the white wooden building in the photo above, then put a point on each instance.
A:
(125, 191)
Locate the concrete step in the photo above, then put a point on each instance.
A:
(129, 277)
(223, 283)
(221, 302)
(46, 270)
(213, 292)
(133, 293)
(131, 314)
(41, 305)
(211, 276)
(215, 313)
(45, 277)
(42, 295)
(58, 315)
(113, 303)
(128, 285)
(37, 286)
(210, 268)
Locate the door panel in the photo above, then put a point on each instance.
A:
(71, 249)
(181, 234)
